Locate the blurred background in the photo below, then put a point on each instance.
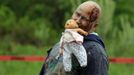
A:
(31, 27)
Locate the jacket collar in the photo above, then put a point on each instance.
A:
(94, 37)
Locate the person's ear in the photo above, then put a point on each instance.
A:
(94, 14)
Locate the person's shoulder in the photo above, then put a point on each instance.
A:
(53, 51)
(93, 43)
(94, 46)
(94, 39)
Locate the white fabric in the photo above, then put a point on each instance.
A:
(69, 35)
(79, 52)
(71, 43)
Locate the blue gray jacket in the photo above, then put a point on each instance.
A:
(96, 56)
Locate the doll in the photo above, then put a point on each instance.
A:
(71, 43)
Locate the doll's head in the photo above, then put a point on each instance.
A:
(71, 24)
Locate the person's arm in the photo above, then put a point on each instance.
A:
(79, 30)
(97, 60)
(42, 71)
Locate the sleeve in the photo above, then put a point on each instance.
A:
(42, 71)
(97, 61)
(53, 65)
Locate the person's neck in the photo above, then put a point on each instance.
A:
(94, 33)
(90, 31)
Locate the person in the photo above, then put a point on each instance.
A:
(87, 16)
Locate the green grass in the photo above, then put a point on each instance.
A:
(121, 69)
(20, 68)
(33, 68)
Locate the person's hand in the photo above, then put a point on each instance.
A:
(81, 31)
(61, 52)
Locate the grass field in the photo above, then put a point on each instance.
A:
(19, 68)
(121, 69)
(33, 68)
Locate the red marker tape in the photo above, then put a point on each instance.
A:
(41, 59)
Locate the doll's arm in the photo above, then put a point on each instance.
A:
(79, 30)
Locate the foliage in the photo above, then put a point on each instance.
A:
(30, 27)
